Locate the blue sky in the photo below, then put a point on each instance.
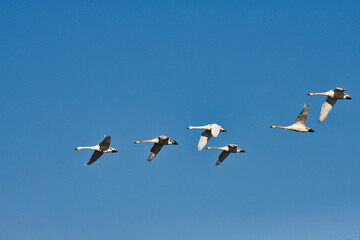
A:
(73, 71)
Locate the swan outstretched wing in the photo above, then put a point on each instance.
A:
(301, 119)
(105, 143)
(96, 155)
(155, 150)
(222, 157)
(215, 130)
(326, 108)
(205, 136)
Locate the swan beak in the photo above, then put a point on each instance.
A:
(188, 128)
(115, 150)
(242, 150)
(175, 143)
(224, 130)
(311, 130)
(76, 148)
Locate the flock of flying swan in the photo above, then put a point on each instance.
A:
(214, 130)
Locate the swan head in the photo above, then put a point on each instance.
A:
(173, 142)
(347, 96)
(223, 130)
(241, 150)
(114, 150)
(310, 129)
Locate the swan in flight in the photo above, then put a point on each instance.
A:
(100, 149)
(332, 96)
(231, 148)
(159, 142)
(210, 130)
(299, 125)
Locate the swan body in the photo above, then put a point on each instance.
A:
(159, 142)
(299, 125)
(99, 150)
(210, 130)
(231, 148)
(332, 96)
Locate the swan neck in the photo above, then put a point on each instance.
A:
(220, 148)
(275, 126)
(322, 93)
(144, 141)
(198, 127)
(79, 148)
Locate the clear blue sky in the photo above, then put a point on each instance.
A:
(73, 71)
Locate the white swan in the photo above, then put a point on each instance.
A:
(332, 96)
(159, 143)
(299, 125)
(210, 130)
(100, 149)
(231, 148)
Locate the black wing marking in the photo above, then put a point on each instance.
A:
(105, 143)
(155, 150)
(96, 155)
(222, 157)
